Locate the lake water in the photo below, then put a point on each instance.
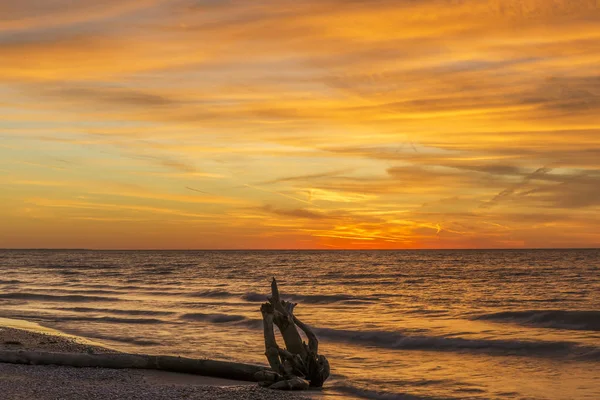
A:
(472, 324)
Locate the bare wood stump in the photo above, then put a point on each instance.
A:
(299, 365)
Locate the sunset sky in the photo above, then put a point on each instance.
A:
(183, 124)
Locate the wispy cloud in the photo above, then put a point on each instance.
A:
(359, 124)
(310, 177)
(196, 190)
(508, 192)
(294, 213)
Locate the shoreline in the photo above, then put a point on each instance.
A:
(25, 335)
(40, 382)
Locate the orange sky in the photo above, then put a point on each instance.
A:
(299, 124)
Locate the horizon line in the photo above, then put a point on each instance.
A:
(292, 249)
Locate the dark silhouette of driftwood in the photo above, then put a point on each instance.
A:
(218, 369)
(299, 365)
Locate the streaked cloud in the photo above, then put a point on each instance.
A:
(329, 124)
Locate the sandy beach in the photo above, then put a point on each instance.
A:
(46, 382)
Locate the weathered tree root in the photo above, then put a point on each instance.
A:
(299, 365)
(218, 369)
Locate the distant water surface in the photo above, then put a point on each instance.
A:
(394, 324)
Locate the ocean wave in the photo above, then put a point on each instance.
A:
(558, 319)
(254, 297)
(57, 318)
(348, 389)
(161, 292)
(83, 291)
(54, 297)
(114, 320)
(158, 271)
(212, 293)
(68, 272)
(10, 281)
(396, 340)
(115, 311)
(121, 339)
(215, 318)
(310, 298)
(591, 354)
(426, 311)
(86, 285)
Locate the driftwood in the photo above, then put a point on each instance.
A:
(299, 365)
(218, 369)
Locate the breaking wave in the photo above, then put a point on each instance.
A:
(558, 319)
(121, 339)
(397, 340)
(400, 341)
(54, 297)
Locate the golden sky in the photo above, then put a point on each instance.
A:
(299, 124)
